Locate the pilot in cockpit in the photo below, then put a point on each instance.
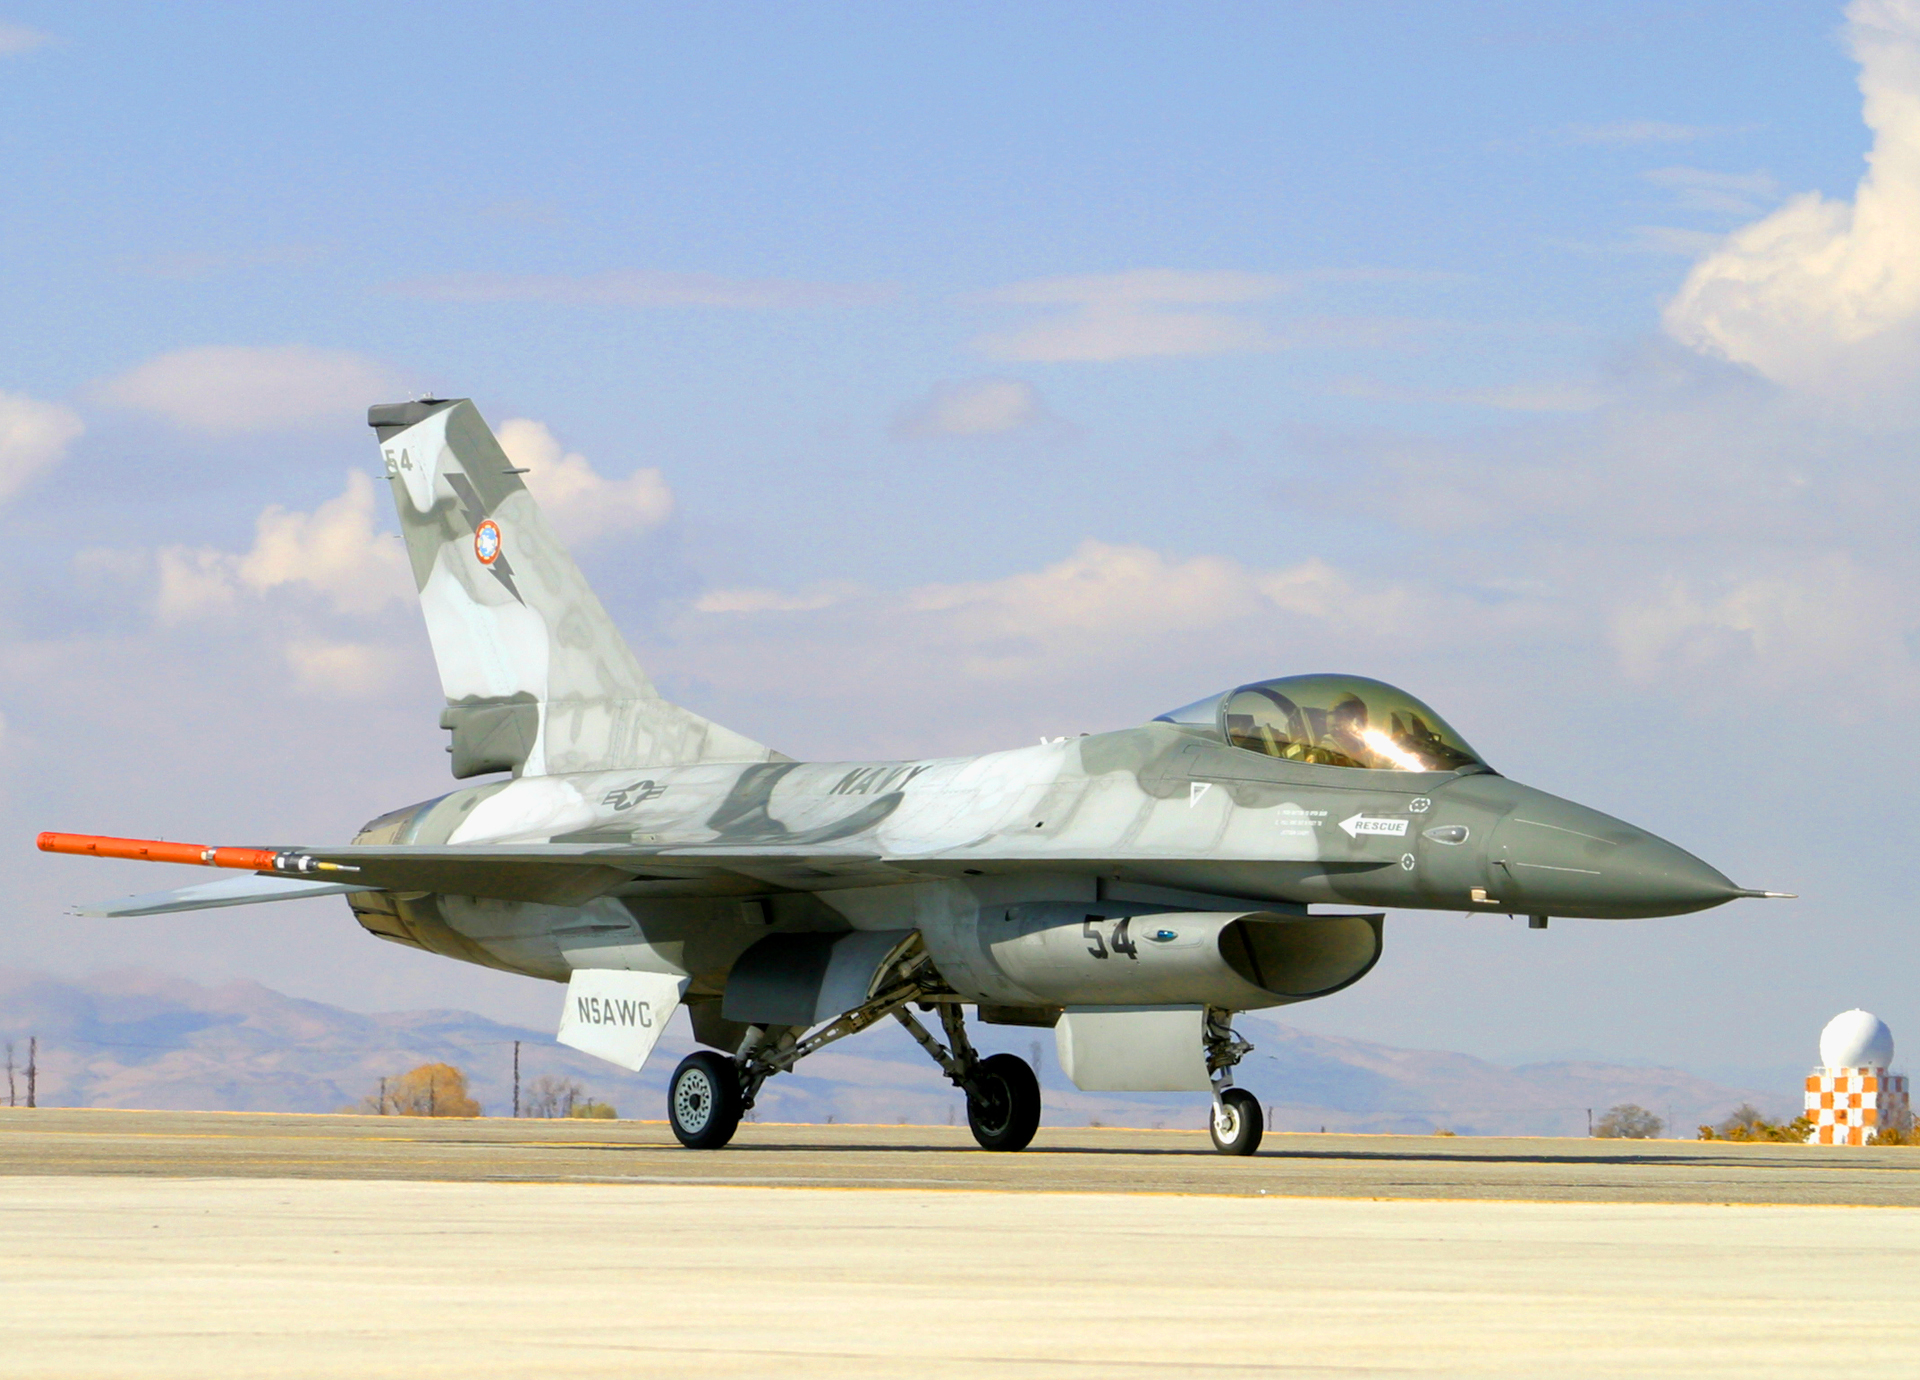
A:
(1332, 721)
(1346, 730)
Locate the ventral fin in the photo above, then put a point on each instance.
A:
(618, 1016)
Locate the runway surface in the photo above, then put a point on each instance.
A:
(173, 1246)
(1075, 1160)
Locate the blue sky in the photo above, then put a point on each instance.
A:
(929, 378)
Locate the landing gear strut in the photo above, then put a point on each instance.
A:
(1236, 1124)
(710, 1092)
(1003, 1094)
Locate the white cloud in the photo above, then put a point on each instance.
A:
(18, 38)
(1543, 396)
(342, 670)
(1104, 593)
(644, 288)
(1135, 315)
(1106, 606)
(34, 436)
(774, 600)
(1114, 595)
(335, 551)
(1827, 293)
(1145, 287)
(974, 407)
(193, 581)
(1804, 620)
(581, 503)
(238, 388)
(1701, 189)
(1671, 239)
(1097, 589)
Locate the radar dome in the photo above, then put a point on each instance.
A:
(1856, 1040)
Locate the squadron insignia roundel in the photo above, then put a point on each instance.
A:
(486, 541)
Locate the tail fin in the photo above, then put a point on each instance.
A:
(537, 678)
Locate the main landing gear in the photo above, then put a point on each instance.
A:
(710, 1092)
(703, 1100)
(1003, 1094)
(1005, 1111)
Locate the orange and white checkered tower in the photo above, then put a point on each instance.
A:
(1852, 1096)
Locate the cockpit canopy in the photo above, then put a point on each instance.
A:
(1334, 721)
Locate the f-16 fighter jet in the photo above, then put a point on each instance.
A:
(1131, 890)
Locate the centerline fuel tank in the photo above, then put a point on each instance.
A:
(1062, 954)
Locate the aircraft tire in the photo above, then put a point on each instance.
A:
(1010, 1113)
(1244, 1124)
(703, 1100)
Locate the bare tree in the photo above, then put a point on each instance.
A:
(1628, 1122)
(1742, 1123)
(551, 1096)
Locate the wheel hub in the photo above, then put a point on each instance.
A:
(693, 1101)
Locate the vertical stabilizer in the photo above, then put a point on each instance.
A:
(537, 678)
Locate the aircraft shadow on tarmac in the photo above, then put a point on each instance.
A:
(1689, 1159)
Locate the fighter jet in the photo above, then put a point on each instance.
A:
(1132, 890)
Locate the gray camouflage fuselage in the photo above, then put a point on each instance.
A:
(1169, 865)
(980, 853)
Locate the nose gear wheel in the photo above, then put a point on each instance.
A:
(1237, 1123)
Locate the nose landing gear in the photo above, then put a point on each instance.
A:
(1236, 1124)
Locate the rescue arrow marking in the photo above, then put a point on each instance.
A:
(1196, 790)
(1357, 825)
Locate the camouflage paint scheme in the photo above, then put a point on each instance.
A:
(686, 843)
(1161, 864)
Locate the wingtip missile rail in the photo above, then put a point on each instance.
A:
(193, 854)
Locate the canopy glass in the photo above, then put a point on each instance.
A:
(1334, 721)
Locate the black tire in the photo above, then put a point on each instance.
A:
(1240, 1135)
(703, 1100)
(1007, 1113)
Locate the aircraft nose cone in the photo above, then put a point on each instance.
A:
(1564, 859)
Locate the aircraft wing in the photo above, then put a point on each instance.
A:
(228, 891)
(574, 873)
(552, 873)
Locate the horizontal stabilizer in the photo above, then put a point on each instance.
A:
(228, 891)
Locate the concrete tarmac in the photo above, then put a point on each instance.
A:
(1066, 1159)
(175, 1245)
(180, 1279)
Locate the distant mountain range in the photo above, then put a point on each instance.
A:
(145, 1039)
